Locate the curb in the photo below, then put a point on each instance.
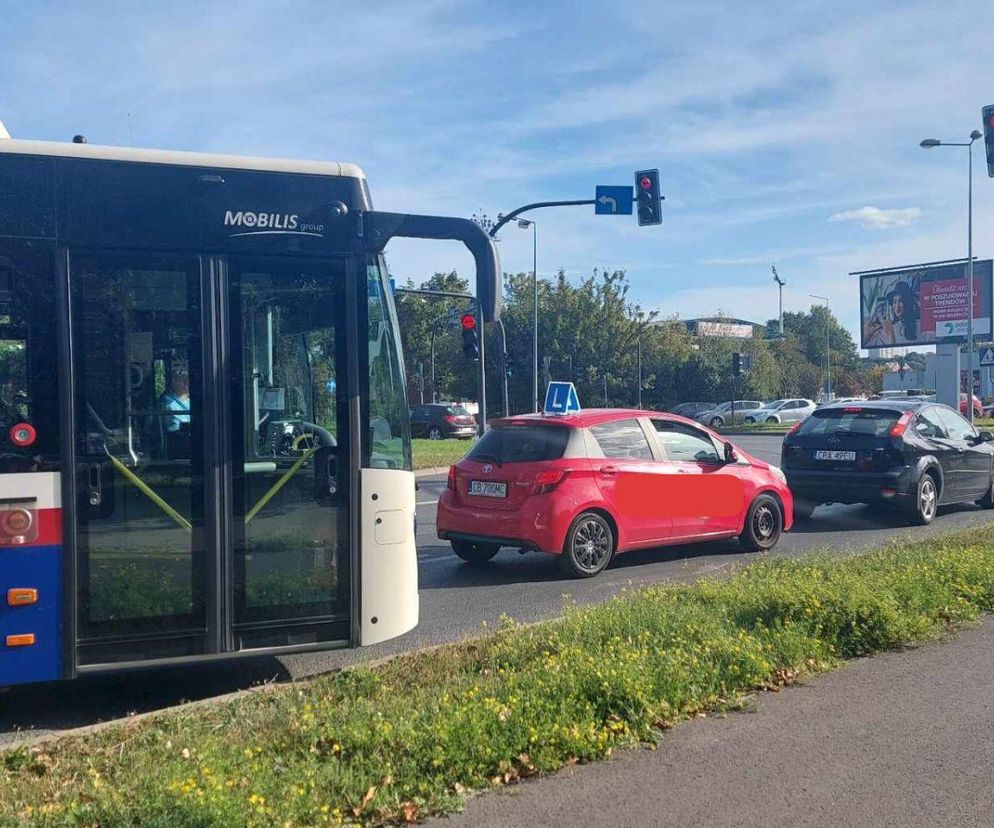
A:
(431, 470)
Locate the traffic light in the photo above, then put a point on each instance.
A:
(508, 365)
(988, 115)
(647, 197)
(470, 343)
(741, 363)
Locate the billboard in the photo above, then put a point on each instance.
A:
(730, 330)
(923, 304)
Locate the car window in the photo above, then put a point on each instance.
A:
(622, 440)
(457, 411)
(521, 444)
(875, 422)
(928, 424)
(684, 444)
(956, 427)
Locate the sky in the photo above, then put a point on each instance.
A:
(784, 132)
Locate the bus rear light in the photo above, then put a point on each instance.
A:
(21, 640)
(17, 526)
(22, 597)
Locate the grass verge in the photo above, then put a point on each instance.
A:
(429, 453)
(412, 736)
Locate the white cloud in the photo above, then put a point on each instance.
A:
(877, 219)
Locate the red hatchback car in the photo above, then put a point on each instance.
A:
(585, 486)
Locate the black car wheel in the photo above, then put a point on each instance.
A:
(434, 433)
(987, 501)
(926, 503)
(763, 525)
(716, 422)
(589, 546)
(803, 509)
(476, 554)
(772, 420)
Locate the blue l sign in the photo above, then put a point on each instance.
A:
(561, 398)
(613, 201)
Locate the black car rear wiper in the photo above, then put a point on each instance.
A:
(484, 456)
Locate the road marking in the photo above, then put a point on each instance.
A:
(425, 502)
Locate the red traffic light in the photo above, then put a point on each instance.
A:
(468, 321)
(645, 182)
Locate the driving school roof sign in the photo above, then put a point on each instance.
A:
(561, 398)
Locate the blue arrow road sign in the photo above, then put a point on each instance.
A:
(561, 398)
(613, 201)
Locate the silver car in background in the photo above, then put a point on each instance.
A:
(723, 414)
(782, 411)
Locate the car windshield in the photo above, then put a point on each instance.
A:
(521, 444)
(457, 410)
(875, 422)
(774, 404)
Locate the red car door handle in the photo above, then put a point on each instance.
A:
(609, 470)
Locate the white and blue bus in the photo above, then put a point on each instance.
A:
(204, 439)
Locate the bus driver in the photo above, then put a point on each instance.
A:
(177, 398)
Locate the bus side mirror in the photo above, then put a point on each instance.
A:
(489, 276)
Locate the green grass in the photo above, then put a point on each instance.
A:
(410, 737)
(429, 453)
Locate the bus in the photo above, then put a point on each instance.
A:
(204, 440)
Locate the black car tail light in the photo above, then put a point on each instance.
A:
(898, 429)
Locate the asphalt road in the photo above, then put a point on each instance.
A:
(455, 601)
(896, 740)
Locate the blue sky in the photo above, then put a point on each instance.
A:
(784, 132)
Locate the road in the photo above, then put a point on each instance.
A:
(896, 740)
(455, 600)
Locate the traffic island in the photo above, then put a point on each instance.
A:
(413, 736)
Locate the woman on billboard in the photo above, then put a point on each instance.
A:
(895, 319)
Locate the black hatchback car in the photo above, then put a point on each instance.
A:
(914, 454)
(440, 420)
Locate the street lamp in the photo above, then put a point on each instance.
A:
(828, 341)
(780, 283)
(928, 143)
(525, 224)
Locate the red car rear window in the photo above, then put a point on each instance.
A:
(521, 444)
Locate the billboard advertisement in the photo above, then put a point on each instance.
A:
(924, 304)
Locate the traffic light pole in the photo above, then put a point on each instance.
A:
(481, 374)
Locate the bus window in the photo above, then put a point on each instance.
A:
(389, 441)
(28, 360)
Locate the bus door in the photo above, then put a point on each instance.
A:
(145, 544)
(211, 464)
(288, 437)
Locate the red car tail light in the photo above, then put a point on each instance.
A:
(794, 427)
(451, 482)
(546, 481)
(898, 429)
(449, 418)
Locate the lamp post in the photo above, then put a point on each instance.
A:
(780, 282)
(929, 143)
(828, 341)
(525, 224)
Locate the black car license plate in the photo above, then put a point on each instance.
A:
(837, 456)
(487, 488)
